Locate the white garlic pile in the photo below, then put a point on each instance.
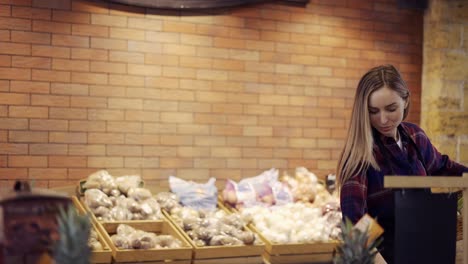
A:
(291, 223)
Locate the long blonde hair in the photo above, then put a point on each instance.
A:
(357, 154)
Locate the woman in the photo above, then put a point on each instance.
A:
(379, 144)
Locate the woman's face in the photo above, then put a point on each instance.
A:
(386, 109)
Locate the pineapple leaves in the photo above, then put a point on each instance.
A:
(355, 248)
(72, 246)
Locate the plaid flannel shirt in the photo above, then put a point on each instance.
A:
(364, 192)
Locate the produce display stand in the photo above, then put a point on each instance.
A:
(297, 253)
(245, 254)
(438, 185)
(292, 253)
(181, 255)
(97, 256)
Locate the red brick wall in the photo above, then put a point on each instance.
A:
(223, 93)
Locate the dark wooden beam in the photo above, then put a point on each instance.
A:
(200, 4)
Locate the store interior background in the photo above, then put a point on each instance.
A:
(88, 85)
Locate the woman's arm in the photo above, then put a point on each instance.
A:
(353, 196)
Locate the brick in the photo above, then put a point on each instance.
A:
(161, 82)
(275, 57)
(50, 75)
(159, 128)
(28, 111)
(159, 151)
(15, 23)
(70, 65)
(70, 41)
(193, 129)
(67, 161)
(50, 100)
(90, 30)
(242, 163)
(13, 149)
(126, 80)
(213, 75)
(67, 137)
(15, 48)
(31, 13)
(124, 103)
(29, 87)
(28, 137)
(51, 27)
(145, 23)
(13, 123)
(242, 120)
(227, 108)
(88, 102)
(89, 54)
(178, 163)
(231, 65)
(226, 152)
(108, 20)
(46, 173)
(105, 162)
(85, 126)
(5, 35)
(106, 138)
(67, 113)
(27, 161)
(122, 127)
(13, 173)
(105, 114)
(142, 46)
(173, 117)
(89, 78)
(129, 57)
(14, 99)
(212, 30)
(109, 67)
(209, 163)
(69, 89)
(273, 142)
(5, 10)
(48, 125)
(195, 62)
(142, 139)
(163, 37)
(210, 52)
(15, 74)
(177, 49)
(104, 90)
(50, 51)
(53, 4)
(138, 115)
(178, 72)
(4, 85)
(72, 17)
(147, 70)
(176, 140)
(30, 37)
(257, 131)
(287, 132)
(4, 111)
(87, 149)
(31, 62)
(110, 44)
(123, 150)
(141, 162)
(127, 33)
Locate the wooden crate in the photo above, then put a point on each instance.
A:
(97, 256)
(296, 253)
(182, 255)
(293, 253)
(112, 225)
(245, 254)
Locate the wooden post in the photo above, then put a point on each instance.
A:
(436, 182)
